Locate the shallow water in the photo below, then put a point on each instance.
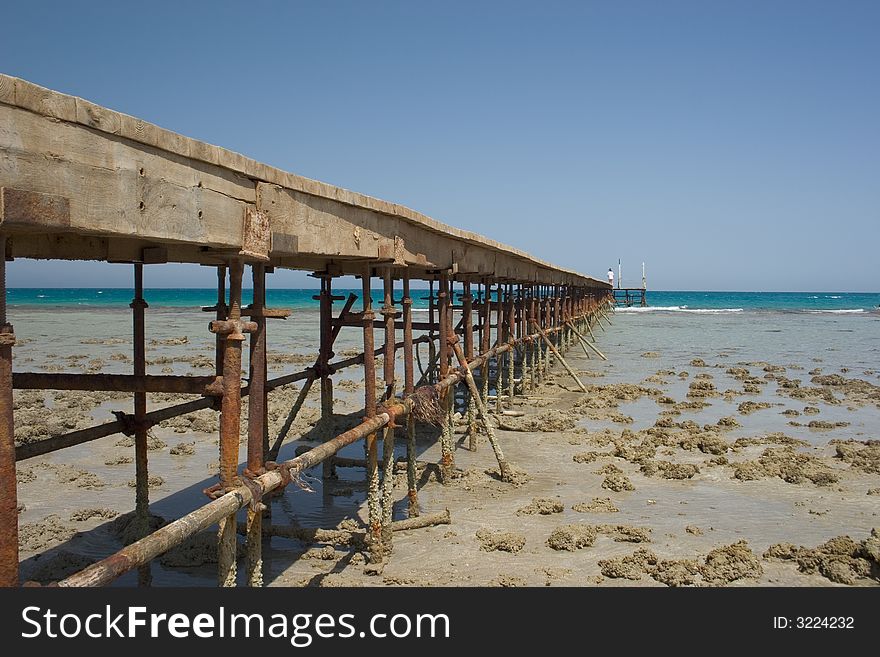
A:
(798, 341)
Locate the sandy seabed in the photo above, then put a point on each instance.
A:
(700, 471)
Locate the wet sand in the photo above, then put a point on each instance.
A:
(687, 466)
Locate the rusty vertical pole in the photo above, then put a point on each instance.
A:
(8, 492)
(389, 314)
(548, 322)
(566, 315)
(486, 338)
(560, 321)
(230, 420)
(256, 424)
(447, 458)
(467, 300)
(265, 395)
(542, 319)
(142, 491)
(408, 388)
(526, 358)
(560, 316)
(511, 336)
(374, 503)
(221, 312)
(530, 314)
(432, 349)
(499, 339)
(554, 322)
(520, 334)
(479, 301)
(325, 354)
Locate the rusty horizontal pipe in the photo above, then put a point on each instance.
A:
(40, 447)
(48, 445)
(196, 385)
(231, 327)
(266, 313)
(380, 324)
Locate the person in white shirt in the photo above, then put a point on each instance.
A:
(610, 277)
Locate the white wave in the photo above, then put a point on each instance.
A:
(813, 297)
(844, 311)
(41, 296)
(677, 309)
(832, 297)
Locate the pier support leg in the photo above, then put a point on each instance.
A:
(447, 457)
(499, 339)
(432, 349)
(408, 387)
(560, 358)
(486, 344)
(374, 502)
(586, 342)
(221, 313)
(230, 418)
(511, 335)
(389, 314)
(324, 356)
(256, 426)
(468, 321)
(503, 465)
(142, 490)
(8, 492)
(529, 346)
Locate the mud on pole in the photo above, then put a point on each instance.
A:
(447, 458)
(374, 502)
(511, 336)
(256, 426)
(486, 342)
(408, 387)
(467, 300)
(389, 314)
(548, 322)
(8, 492)
(142, 491)
(230, 417)
(499, 339)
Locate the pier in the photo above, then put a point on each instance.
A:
(81, 182)
(630, 296)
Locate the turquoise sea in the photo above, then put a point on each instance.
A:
(660, 301)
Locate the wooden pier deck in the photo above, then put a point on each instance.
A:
(81, 182)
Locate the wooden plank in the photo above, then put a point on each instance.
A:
(117, 189)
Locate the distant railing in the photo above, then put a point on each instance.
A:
(630, 284)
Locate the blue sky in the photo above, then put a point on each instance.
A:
(729, 145)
